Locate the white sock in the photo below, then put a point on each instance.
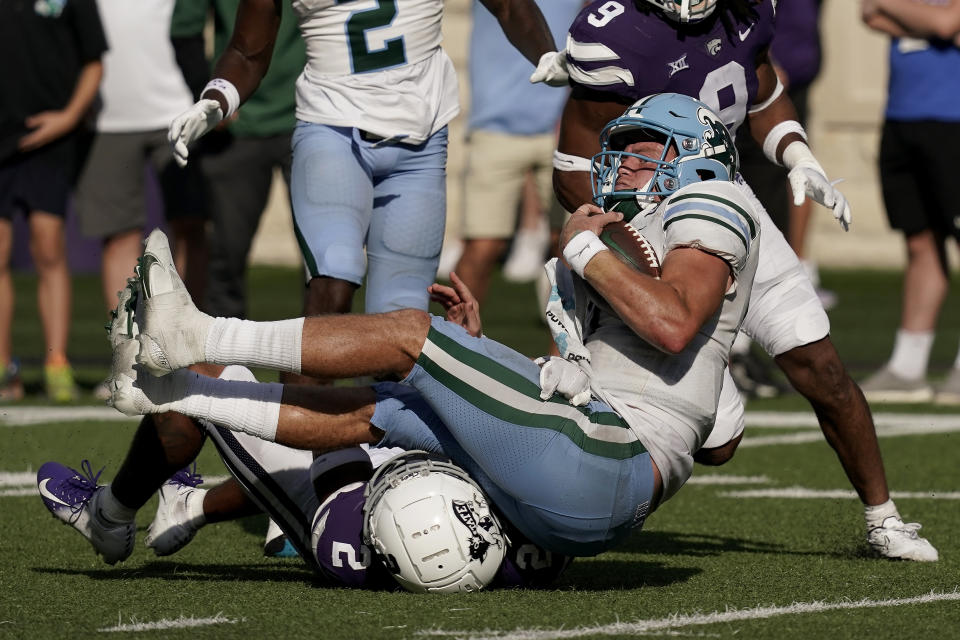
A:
(250, 407)
(876, 514)
(271, 345)
(911, 353)
(114, 510)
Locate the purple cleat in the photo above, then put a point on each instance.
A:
(72, 497)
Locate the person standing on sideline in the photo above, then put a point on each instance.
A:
(920, 191)
(511, 136)
(142, 89)
(52, 67)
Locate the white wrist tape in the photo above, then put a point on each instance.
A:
(229, 92)
(798, 153)
(567, 162)
(581, 249)
(777, 90)
(772, 141)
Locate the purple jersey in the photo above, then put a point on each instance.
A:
(615, 47)
(338, 542)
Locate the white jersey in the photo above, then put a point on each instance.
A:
(376, 65)
(143, 88)
(670, 401)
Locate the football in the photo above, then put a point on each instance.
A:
(631, 247)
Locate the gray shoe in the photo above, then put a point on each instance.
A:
(948, 392)
(886, 386)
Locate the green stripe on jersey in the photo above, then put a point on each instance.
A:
(714, 219)
(723, 201)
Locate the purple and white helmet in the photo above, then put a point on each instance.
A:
(432, 525)
(685, 10)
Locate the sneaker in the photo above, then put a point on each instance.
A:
(174, 526)
(11, 387)
(173, 330)
(886, 386)
(753, 376)
(898, 539)
(58, 379)
(276, 544)
(528, 254)
(948, 392)
(73, 498)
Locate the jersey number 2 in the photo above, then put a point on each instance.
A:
(364, 60)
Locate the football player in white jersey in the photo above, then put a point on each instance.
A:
(718, 50)
(368, 183)
(574, 480)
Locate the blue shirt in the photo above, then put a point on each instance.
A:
(501, 96)
(925, 83)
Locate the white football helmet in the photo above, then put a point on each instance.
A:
(432, 525)
(685, 10)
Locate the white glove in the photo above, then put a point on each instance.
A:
(808, 179)
(564, 377)
(192, 124)
(552, 69)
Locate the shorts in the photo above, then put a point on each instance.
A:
(366, 206)
(112, 191)
(40, 180)
(784, 310)
(496, 168)
(574, 480)
(920, 187)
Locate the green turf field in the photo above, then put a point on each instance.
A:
(769, 546)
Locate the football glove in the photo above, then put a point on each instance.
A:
(552, 69)
(808, 180)
(192, 124)
(564, 377)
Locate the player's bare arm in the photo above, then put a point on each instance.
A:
(247, 57)
(48, 126)
(583, 116)
(524, 26)
(919, 18)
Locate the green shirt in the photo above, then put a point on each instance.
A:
(270, 110)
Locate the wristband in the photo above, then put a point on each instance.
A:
(777, 90)
(772, 141)
(581, 249)
(567, 162)
(229, 92)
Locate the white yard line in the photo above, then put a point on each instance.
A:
(179, 623)
(677, 621)
(17, 485)
(834, 494)
(24, 416)
(717, 479)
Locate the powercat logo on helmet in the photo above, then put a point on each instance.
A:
(479, 543)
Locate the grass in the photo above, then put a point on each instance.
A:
(704, 551)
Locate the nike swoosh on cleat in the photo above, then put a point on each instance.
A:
(148, 261)
(743, 34)
(49, 496)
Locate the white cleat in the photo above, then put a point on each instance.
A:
(173, 331)
(899, 540)
(173, 527)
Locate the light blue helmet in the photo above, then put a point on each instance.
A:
(705, 149)
(685, 10)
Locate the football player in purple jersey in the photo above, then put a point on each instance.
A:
(717, 51)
